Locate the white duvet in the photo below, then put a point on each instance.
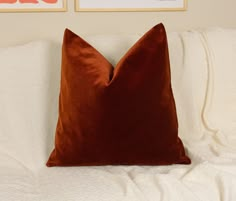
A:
(210, 177)
(204, 180)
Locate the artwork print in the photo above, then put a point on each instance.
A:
(130, 5)
(32, 5)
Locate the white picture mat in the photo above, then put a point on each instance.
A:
(40, 5)
(119, 4)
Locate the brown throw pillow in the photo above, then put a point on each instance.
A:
(117, 116)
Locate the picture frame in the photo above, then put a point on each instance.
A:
(33, 5)
(130, 5)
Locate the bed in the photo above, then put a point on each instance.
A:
(203, 79)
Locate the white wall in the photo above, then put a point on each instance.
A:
(16, 28)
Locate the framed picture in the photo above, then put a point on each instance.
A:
(130, 5)
(32, 5)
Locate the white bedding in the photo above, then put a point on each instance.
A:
(201, 181)
(210, 177)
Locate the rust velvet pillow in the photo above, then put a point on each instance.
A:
(117, 116)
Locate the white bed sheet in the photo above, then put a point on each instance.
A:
(210, 177)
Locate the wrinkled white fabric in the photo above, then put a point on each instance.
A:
(201, 181)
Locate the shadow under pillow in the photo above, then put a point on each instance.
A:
(117, 116)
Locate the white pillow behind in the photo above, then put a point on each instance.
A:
(29, 87)
(189, 82)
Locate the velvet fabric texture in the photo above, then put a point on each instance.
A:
(117, 116)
